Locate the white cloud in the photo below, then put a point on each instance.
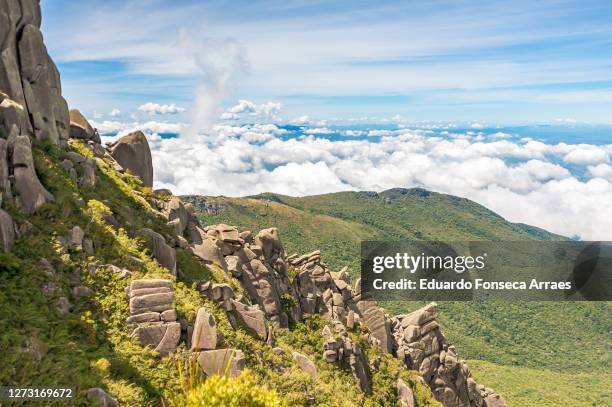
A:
(265, 111)
(601, 171)
(319, 130)
(155, 108)
(524, 181)
(108, 127)
(302, 120)
(115, 113)
(586, 155)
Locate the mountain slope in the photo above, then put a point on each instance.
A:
(337, 222)
(521, 338)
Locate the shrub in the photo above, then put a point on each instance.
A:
(240, 391)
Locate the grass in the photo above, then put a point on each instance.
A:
(528, 387)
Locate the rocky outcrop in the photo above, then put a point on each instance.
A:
(132, 152)
(152, 319)
(260, 264)
(31, 194)
(81, 169)
(80, 127)
(339, 348)
(422, 347)
(28, 76)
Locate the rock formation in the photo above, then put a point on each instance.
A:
(422, 347)
(31, 194)
(204, 332)
(162, 252)
(132, 152)
(152, 319)
(80, 127)
(28, 76)
(222, 361)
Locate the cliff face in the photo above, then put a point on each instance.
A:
(28, 76)
(131, 275)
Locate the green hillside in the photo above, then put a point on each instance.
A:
(336, 223)
(518, 338)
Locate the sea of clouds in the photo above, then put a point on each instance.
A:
(564, 188)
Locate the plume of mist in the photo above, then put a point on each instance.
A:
(220, 61)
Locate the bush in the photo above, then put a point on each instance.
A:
(240, 391)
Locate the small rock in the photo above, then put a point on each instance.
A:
(63, 305)
(81, 291)
(305, 364)
(101, 398)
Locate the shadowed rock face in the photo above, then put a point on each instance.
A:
(28, 76)
(132, 152)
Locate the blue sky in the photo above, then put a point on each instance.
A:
(495, 61)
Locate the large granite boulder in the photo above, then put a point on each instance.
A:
(80, 127)
(376, 321)
(161, 251)
(222, 361)
(305, 364)
(132, 152)
(252, 319)
(270, 243)
(13, 114)
(204, 335)
(31, 193)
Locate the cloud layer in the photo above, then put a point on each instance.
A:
(561, 187)
(156, 108)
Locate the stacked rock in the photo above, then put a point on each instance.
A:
(152, 319)
(423, 347)
(341, 347)
(218, 292)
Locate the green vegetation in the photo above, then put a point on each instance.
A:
(336, 223)
(545, 388)
(90, 346)
(516, 338)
